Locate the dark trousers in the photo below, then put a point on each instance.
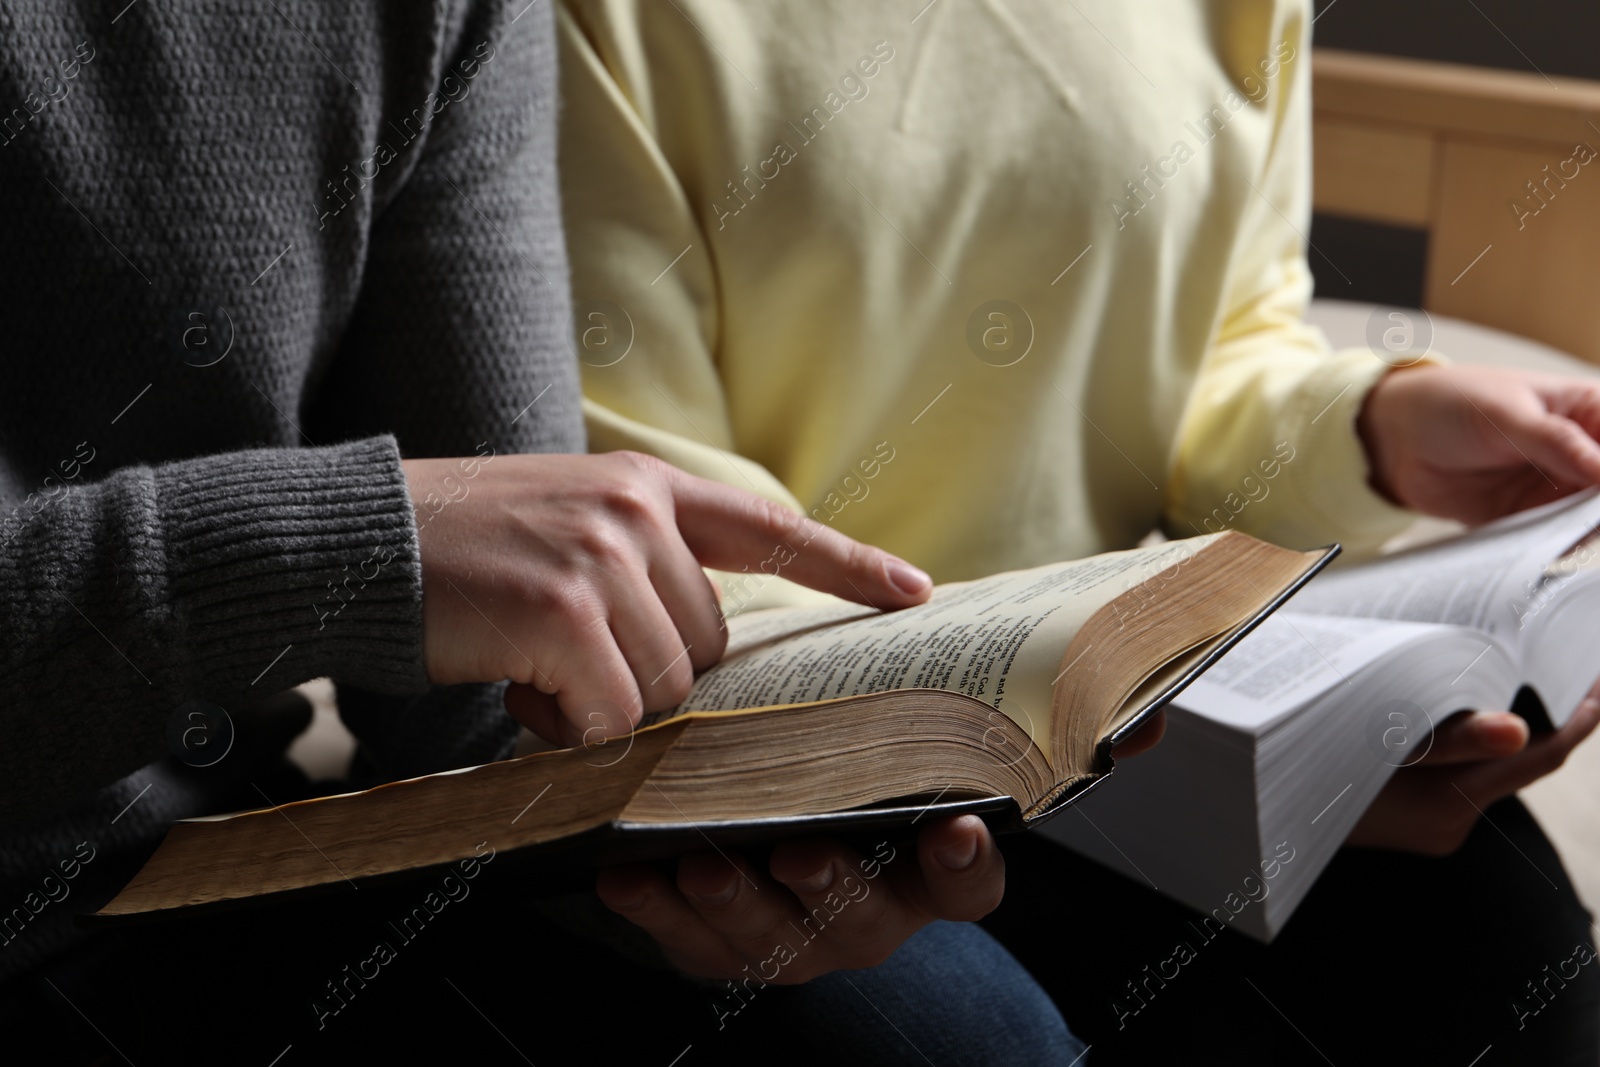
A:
(490, 981)
(1391, 959)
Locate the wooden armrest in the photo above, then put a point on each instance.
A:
(1498, 166)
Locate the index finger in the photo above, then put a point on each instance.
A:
(1144, 738)
(730, 529)
(1575, 398)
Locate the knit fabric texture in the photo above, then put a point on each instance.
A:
(253, 255)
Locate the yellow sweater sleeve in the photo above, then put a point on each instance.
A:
(1268, 442)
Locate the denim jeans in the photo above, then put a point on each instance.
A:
(950, 995)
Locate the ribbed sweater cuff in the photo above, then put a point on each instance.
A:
(290, 564)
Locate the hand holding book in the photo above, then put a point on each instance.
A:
(1477, 758)
(824, 907)
(707, 919)
(1474, 444)
(1307, 735)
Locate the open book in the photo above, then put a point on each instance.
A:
(1002, 695)
(1279, 749)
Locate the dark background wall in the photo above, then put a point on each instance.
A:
(1553, 37)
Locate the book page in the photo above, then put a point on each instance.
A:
(1287, 662)
(1581, 558)
(1488, 579)
(998, 639)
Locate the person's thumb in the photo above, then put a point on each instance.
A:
(1471, 736)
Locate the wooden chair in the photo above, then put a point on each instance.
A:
(1502, 169)
(1462, 152)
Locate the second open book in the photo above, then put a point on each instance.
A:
(1272, 756)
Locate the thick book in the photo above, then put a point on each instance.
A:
(1002, 696)
(1272, 757)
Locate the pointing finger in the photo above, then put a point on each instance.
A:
(728, 528)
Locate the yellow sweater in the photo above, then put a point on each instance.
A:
(987, 282)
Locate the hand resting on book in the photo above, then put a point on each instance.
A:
(1479, 443)
(580, 576)
(593, 565)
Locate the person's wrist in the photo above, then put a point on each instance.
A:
(1367, 429)
(1379, 426)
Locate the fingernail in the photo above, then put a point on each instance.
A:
(600, 720)
(958, 857)
(815, 882)
(719, 897)
(906, 578)
(1501, 719)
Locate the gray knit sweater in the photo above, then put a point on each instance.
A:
(252, 254)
